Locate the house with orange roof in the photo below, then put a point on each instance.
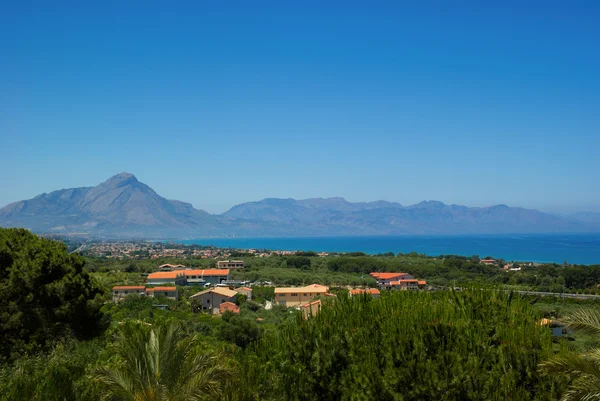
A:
(386, 278)
(295, 296)
(229, 306)
(159, 278)
(247, 291)
(374, 292)
(204, 276)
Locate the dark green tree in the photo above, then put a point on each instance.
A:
(45, 295)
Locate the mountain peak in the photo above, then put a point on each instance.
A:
(121, 178)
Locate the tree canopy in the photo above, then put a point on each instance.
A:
(45, 294)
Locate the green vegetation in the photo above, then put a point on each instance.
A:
(63, 339)
(477, 345)
(584, 368)
(45, 294)
(162, 363)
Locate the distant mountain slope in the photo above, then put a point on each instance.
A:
(121, 205)
(336, 215)
(124, 207)
(586, 217)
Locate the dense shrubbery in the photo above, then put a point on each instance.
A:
(478, 345)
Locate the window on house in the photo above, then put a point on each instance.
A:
(294, 295)
(116, 292)
(304, 294)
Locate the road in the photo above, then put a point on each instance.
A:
(558, 294)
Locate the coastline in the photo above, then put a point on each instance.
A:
(540, 248)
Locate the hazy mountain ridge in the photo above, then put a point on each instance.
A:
(122, 206)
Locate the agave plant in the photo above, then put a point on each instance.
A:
(160, 364)
(585, 368)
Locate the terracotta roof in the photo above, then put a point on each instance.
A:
(165, 288)
(245, 288)
(309, 288)
(229, 306)
(170, 275)
(387, 276)
(357, 291)
(129, 287)
(226, 292)
(422, 282)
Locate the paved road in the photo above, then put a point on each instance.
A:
(557, 294)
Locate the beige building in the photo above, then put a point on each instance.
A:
(230, 264)
(245, 291)
(408, 284)
(212, 298)
(294, 296)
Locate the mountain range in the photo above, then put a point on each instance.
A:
(123, 207)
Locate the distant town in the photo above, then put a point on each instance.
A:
(168, 249)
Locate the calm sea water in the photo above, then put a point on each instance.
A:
(579, 249)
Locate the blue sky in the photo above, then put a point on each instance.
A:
(217, 105)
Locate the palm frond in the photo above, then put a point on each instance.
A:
(585, 321)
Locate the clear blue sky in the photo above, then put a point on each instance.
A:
(217, 105)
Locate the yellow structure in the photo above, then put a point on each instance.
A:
(294, 296)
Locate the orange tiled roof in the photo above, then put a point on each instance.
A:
(128, 287)
(408, 281)
(172, 275)
(422, 282)
(245, 288)
(229, 306)
(215, 272)
(387, 276)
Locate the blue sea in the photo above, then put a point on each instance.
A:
(576, 249)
